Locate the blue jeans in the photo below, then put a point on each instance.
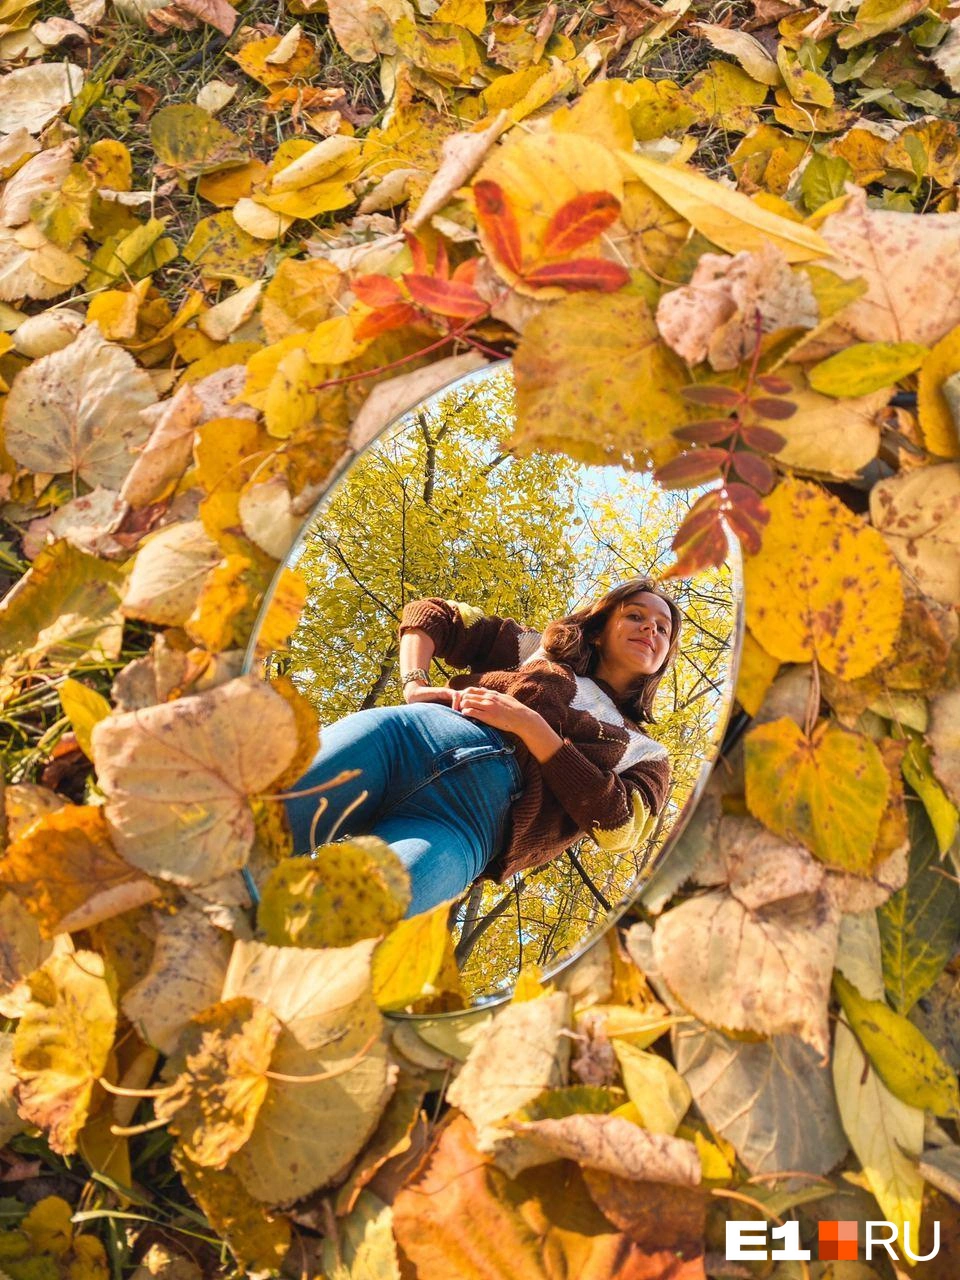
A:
(439, 787)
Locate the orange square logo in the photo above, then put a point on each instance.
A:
(838, 1242)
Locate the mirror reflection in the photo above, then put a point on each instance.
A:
(486, 639)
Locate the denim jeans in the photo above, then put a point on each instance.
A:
(439, 786)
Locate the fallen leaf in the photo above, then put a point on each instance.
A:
(773, 1100)
(408, 962)
(257, 1238)
(30, 97)
(865, 367)
(22, 950)
(186, 976)
(388, 400)
(461, 156)
(169, 573)
(812, 589)
(307, 1132)
(919, 516)
(747, 50)
(65, 871)
(178, 777)
(62, 1044)
(615, 1145)
(78, 411)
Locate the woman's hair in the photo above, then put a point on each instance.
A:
(573, 640)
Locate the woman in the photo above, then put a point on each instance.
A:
(501, 769)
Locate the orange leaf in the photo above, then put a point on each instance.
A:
(377, 290)
(446, 297)
(392, 316)
(579, 221)
(581, 273)
(498, 222)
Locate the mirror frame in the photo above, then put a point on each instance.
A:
(734, 559)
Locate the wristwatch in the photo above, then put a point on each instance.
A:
(417, 673)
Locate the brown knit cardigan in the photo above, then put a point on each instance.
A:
(608, 780)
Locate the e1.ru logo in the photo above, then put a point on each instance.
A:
(837, 1242)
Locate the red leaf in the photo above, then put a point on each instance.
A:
(702, 515)
(417, 252)
(580, 273)
(692, 468)
(498, 223)
(445, 297)
(742, 496)
(441, 268)
(579, 221)
(377, 290)
(762, 438)
(705, 548)
(776, 386)
(393, 316)
(466, 273)
(708, 431)
(756, 471)
(746, 515)
(712, 393)
(765, 407)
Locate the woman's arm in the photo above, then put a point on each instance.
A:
(465, 636)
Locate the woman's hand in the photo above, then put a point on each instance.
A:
(501, 710)
(414, 693)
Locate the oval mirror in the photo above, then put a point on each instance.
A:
(438, 548)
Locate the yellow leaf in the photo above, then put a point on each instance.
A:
(660, 107)
(865, 367)
(49, 1227)
(654, 1086)
(301, 294)
(64, 869)
(901, 1055)
(408, 961)
(471, 14)
(84, 708)
(723, 96)
(937, 423)
(168, 574)
(256, 1238)
(726, 217)
(303, 902)
(873, 18)
(828, 791)
(824, 584)
(227, 186)
(63, 1042)
(802, 84)
(219, 1080)
(917, 513)
(918, 771)
(290, 401)
(714, 1163)
(885, 1133)
(333, 342)
(254, 218)
(190, 142)
(747, 50)
(827, 436)
(757, 672)
(225, 608)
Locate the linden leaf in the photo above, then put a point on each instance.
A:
(22, 949)
(169, 573)
(256, 1238)
(186, 976)
(827, 436)
(78, 411)
(918, 514)
(765, 969)
(903, 1058)
(65, 871)
(31, 96)
(773, 1101)
(911, 266)
(408, 962)
(828, 791)
(823, 584)
(594, 380)
(62, 1043)
(345, 891)
(309, 1128)
(178, 777)
(219, 1079)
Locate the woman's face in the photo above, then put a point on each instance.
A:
(636, 635)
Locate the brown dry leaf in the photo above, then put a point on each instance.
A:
(65, 871)
(308, 1131)
(267, 515)
(813, 588)
(911, 266)
(401, 1125)
(169, 573)
(78, 411)
(919, 517)
(165, 455)
(461, 1217)
(23, 803)
(178, 777)
(186, 976)
(714, 316)
(654, 1214)
(461, 156)
(256, 1238)
(517, 1055)
(364, 29)
(944, 739)
(219, 1079)
(613, 1144)
(185, 15)
(63, 1042)
(767, 971)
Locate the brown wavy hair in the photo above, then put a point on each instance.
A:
(572, 640)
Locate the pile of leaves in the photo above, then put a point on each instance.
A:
(723, 243)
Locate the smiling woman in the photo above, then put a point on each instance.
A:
(506, 695)
(501, 769)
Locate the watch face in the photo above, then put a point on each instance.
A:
(441, 505)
